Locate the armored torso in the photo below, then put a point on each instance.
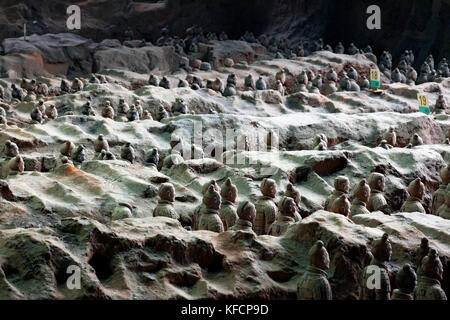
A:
(358, 207)
(209, 220)
(336, 194)
(373, 288)
(438, 199)
(266, 212)
(227, 214)
(376, 201)
(314, 285)
(280, 225)
(412, 204)
(429, 289)
(165, 209)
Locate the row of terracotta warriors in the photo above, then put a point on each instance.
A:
(375, 282)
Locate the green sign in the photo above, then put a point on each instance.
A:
(424, 109)
(374, 84)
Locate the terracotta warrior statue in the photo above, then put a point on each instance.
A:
(320, 139)
(78, 154)
(16, 165)
(152, 158)
(429, 286)
(444, 210)
(441, 105)
(227, 211)
(376, 200)
(77, 85)
(51, 112)
(439, 195)
(209, 215)
(375, 283)
(165, 207)
(415, 140)
(108, 110)
(341, 187)
(390, 136)
(421, 253)
(197, 211)
(361, 196)
(314, 284)
(249, 83)
(67, 148)
(101, 144)
(11, 149)
(406, 280)
(292, 192)
(266, 209)
(123, 106)
(139, 109)
(172, 159)
(246, 212)
(413, 203)
(341, 206)
(285, 218)
(36, 115)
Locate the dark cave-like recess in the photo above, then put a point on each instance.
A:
(420, 25)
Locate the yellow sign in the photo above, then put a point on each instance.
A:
(375, 78)
(423, 103)
(423, 100)
(374, 75)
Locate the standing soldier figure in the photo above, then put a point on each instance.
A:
(314, 284)
(266, 209)
(375, 284)
(429, 286)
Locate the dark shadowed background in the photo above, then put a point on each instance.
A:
(420, 25)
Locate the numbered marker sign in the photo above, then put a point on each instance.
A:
(375, 78)
(423, 103)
